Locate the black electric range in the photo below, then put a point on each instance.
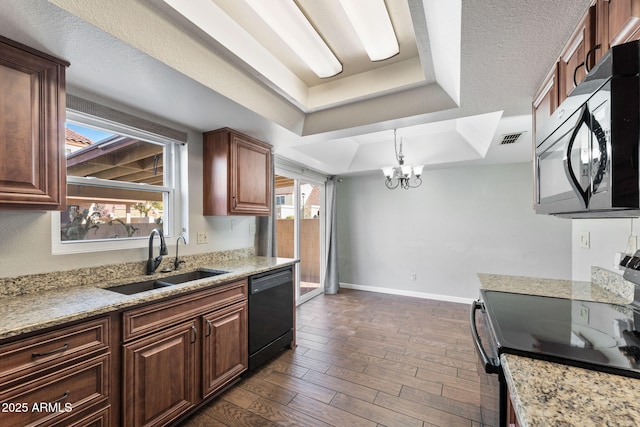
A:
(593, 335)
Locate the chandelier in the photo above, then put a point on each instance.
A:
(403, 176)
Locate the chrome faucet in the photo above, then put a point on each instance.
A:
(177, 261)
(153, 263)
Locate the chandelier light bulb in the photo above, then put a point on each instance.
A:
(404, 175)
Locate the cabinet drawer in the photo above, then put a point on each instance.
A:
(100, 418)
(144, 320)
(24, 357)
(60, 395)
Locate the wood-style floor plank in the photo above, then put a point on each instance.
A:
(363, 359)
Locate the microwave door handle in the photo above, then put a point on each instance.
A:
(490, 366)
(600, 136)
(583, 195)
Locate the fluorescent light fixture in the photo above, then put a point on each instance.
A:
(373, 25)
(287, 20)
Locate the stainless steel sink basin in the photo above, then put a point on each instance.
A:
(190, 276)
(134, 288)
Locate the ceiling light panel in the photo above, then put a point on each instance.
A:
(292, 26)
(372, 23)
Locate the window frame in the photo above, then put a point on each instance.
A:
(174, 190)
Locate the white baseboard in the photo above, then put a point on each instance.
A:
(415, 294)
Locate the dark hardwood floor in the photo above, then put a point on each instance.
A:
(363, 359)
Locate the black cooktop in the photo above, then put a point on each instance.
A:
(587, 334)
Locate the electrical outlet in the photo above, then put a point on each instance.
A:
(413, 277)
(584, 314)
(585, 240)
(632, 244)
(252, 229)
(203, 237)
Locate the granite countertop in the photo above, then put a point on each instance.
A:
(551, 394)
(603, 289)
(23, 311)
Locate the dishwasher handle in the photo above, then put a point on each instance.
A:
(270, 281)
(490, 366)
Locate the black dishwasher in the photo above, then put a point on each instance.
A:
(270, 314)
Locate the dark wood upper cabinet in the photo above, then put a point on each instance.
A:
(606, 23)
(545, 101)
(623, 17)
(573, 59)
(32, 115)
(237, 175)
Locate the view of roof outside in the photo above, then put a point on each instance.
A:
(98, 212)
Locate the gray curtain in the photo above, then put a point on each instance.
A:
(266, 226)
(331, 281)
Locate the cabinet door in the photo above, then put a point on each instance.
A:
(159, 376)
(32, 111)
(224, 349)
(574, 53)
(545, 100)
(250, 180)
(624, 21)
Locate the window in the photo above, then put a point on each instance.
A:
(121, 184)
(280, 200)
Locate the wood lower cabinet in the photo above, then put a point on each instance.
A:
(159, 376)
(32, 114)
(224, 347)
(512, 418)
(237, 174)
(174, 346)
(59, 378)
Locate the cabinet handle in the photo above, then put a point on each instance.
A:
(586, 57)
(195, 334)
(63, 398)
(48, 353)
(208, 327)
(235, 202)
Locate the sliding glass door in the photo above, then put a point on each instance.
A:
(299, 230)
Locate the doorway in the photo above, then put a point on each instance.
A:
(298, 209)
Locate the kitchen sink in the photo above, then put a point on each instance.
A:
(147, 285)
(134, 288)
(190, 276)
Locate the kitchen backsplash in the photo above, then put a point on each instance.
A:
(22, 285)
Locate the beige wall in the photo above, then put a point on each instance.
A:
(310, 246)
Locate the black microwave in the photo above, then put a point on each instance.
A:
(586, 157)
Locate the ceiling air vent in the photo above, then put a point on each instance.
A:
(510, 138)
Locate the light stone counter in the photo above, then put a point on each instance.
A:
(31, 303)
(606, 290)
(550, 394)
